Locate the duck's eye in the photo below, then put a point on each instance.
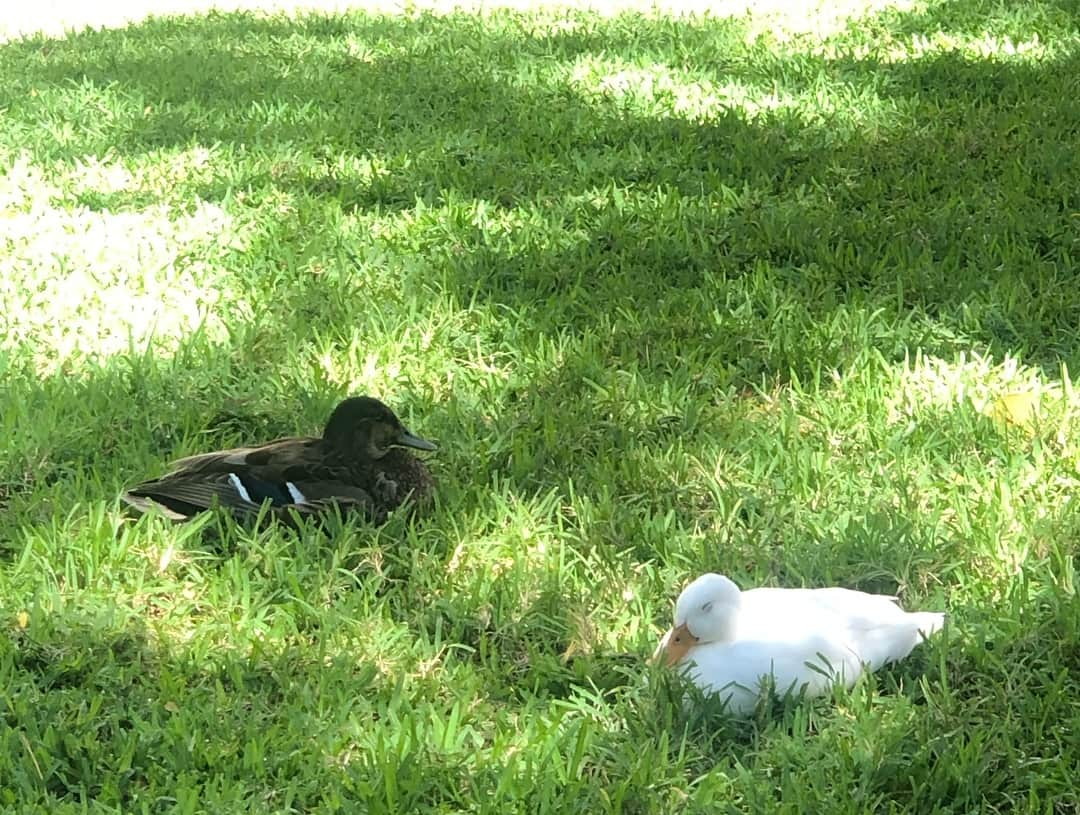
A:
(678, 639)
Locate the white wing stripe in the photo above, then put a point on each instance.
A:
(234, 479)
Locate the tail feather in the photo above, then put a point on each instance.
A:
(144, 504)
(877, 645)
(929, 622)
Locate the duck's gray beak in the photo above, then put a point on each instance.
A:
(407, 439)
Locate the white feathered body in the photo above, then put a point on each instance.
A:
(806, 640)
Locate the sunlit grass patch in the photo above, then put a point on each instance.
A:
(693, 95)
(820, 18)
(81, 284)
(1014, 396)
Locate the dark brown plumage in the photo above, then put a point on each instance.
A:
(357, 465)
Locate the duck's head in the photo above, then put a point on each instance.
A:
(705, 612)
(369, 427)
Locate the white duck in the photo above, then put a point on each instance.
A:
(728, 640)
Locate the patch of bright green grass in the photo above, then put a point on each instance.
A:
(673, 296)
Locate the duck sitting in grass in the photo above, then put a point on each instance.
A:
(358, 465)
(739, 643)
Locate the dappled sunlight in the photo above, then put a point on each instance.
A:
(511, 588)
(94, 177)
(999, 390)
(695, 98)
(1016, 497)
(355, 369)
(817, 19)
(80, 283)
(672, 294)
(775, 18)
(975, 47)
(526, 574)
(665, 91)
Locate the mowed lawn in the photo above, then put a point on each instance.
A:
(790, 295)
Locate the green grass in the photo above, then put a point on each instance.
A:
(673, 296)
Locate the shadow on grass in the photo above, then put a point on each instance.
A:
(109, 713)
(910, 188)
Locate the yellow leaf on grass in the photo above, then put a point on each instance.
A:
(23, 620)
(1019, 407)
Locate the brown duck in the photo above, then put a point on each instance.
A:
(358, 465)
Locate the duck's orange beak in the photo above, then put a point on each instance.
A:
(675, 645)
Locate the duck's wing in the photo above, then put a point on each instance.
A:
(784, 614)
(881, 640)
(322, 497)
(873, 626)
(269, 461)
(288, 474)
(180, 496)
